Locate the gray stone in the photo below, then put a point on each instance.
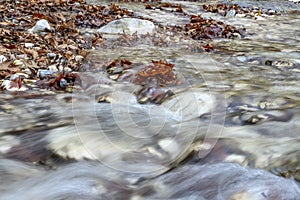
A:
(231, 13)
(40, 26)
(51, 55)
(128, 26)
(42, 73)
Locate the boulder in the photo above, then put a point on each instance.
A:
(128, 26)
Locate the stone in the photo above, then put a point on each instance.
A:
(42, 73)
(128, 26)
(221, 181)
(2, 59)
(231, 13)
(28, 45)
(79, 58)
(40, 26)
(51, 55)
(13, 86)
(17, 63)
(52, 68)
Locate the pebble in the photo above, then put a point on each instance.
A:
(257, 17)
(64, 69)
(241, 58)
(271, 12)
(231, 13)
(18, 63)
(28, 45)
(235, 158)
(237, 35)
(63, 83)
(14, 77)
(52, 68)
(2, 59)
(23, 75)
(40, 26)
(51, 55)
(22, 56)
(27, 71)
(29, 81)
(78, 58)
(282, 63)
(42, 73)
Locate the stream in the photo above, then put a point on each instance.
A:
(230, 128)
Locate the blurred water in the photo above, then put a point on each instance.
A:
(239, 103)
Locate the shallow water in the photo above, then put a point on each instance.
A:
(239, 103)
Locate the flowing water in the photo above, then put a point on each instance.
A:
(230, 130)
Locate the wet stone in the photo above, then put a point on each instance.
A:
(128, 26)
(44, 73)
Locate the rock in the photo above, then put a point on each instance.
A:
(221, 181)
(13, 77)
(63, 83)
(22, 56)
(28, 45)
(52, 68)
(2, 59)
(27, 71)
(128, 26)
(78, 58)
(51, 55)
(20, 74)
(14, 84)
(42, 73)
(231, 13)
(64, 69)
(40, 26)
(18, 63)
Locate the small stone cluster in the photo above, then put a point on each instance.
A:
(235, 9)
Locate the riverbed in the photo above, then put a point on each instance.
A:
(227, 128)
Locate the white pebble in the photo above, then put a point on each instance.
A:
(2, 59)
(52, 68)
(28, 45)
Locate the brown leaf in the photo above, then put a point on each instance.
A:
(33, 53)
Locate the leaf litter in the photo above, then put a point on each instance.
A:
(64, 46)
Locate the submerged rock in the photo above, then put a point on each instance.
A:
(93, 180)
(220, 181)
(75, 181)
